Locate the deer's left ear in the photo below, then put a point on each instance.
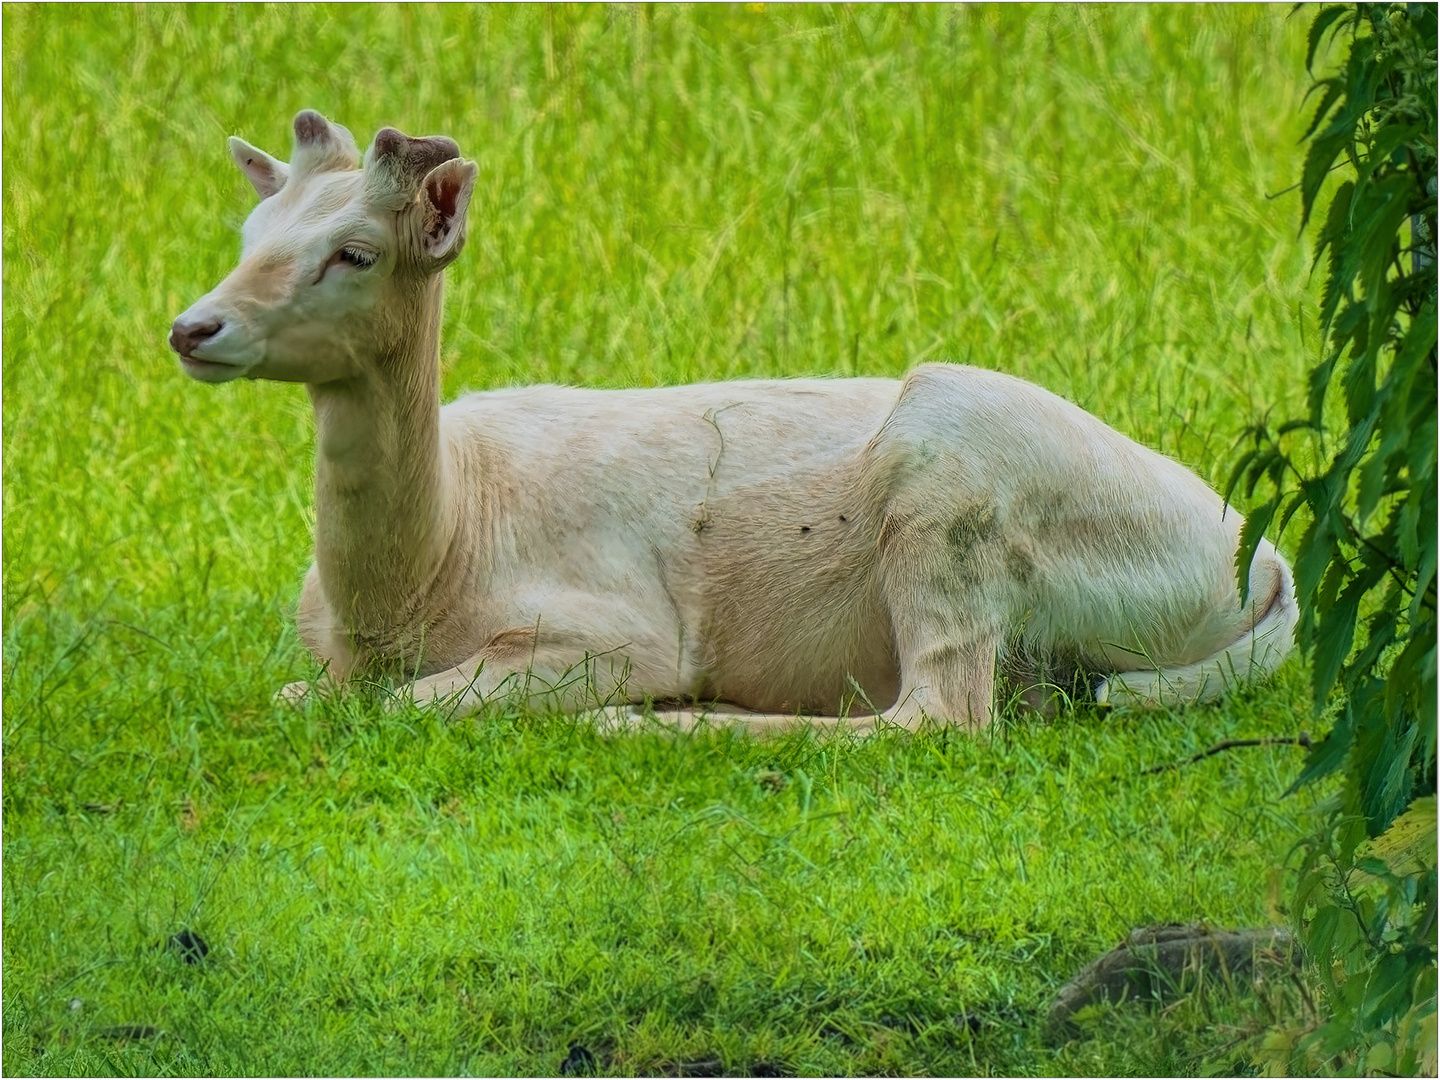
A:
(445, 196)
(266, 174)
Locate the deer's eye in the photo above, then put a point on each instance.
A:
(352, 255)
(357, 257)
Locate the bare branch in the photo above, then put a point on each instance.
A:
(1302, 740)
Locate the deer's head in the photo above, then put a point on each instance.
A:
(334, 260)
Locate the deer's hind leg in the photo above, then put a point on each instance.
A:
(951, 575)
(947, 643)
(948, 592)
(947, 675)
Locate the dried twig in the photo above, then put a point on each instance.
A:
(1301, 740)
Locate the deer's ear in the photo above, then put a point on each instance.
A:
(444, 196)
(266, 174)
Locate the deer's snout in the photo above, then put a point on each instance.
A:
(187, 336)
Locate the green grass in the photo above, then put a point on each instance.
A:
(1077, 196)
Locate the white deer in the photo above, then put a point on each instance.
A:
(861, 550)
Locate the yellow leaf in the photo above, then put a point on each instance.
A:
(1408, 846)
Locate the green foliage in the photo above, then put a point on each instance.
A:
(1365, 574)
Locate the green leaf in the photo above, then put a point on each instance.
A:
(1323, 21)
(1318, 161)
(1328, 755)
(1356, 443)
(1376, 226)
(1297, 500)
(1418, 343)
(1315, 555)
(1381, 635)
(1295, 425)
(1407, 531)
(1383, 770)
(1424, 588)
(1390, 990)
(1242, 470)
(1418, 657)
(1388, 141)
(1320, 939)
(1380, 473)
(1319, 385)
(1335, 631)
(1333, 90)
(1251, 535)
(1359, 378)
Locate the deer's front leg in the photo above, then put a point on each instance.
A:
(590, 656)
(293, 693)
(568, 681)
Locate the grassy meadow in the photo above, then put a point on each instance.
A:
(1090, 198)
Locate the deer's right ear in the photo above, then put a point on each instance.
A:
(265, 173)
(446, 195)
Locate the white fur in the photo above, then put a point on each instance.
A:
(836, 548)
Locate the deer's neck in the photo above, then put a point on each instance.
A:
(385, 517)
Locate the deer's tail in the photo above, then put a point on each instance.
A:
(1252, 656)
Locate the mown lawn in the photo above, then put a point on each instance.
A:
(1081, 196)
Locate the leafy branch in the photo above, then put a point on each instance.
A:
(1366, 564)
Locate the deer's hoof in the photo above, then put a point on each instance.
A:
(292, 693)
(617, 719)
